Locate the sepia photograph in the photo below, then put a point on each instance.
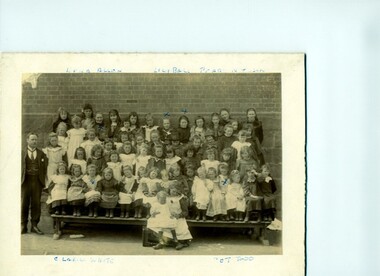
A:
(133, 163)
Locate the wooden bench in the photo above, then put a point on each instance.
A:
(258, 229)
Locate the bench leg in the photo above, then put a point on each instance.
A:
(263, 237)
(57, 229)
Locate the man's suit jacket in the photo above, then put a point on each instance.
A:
(42, 163)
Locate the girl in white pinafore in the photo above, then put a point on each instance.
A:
(235, 200)
(142, 158)
(201, 193)
(92, 196)
(127, 189)
(57, 198)
(75, 137)
(115, 165)
(55, 154)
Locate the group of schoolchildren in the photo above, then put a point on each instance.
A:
(161, 172)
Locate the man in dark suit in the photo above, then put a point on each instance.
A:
(34, 165)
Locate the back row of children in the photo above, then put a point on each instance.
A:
(217, 173)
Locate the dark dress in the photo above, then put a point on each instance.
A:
(257, 129)
(109, 193)
(224, 142)
(114, 132)
(184, 135)
(77, 189)
(101, 131)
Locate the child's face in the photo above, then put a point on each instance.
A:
(113, 117)
(99, 118)
(61, 131)
(124, 138)
(183, 123)
(229, 131)
(209, 139)
(242, 138)
(133, 120)
(176, 172)
(126, 124)
(91, 136)
(225, 115)
(127, 148)
(251, 174)
(211, 156)
(108, 146)
(265, 172)
(149, 122)
(143, 151)
(175, 142)
(80, 154)
(155, 137)
(223, 170)
(63, 115)
(91, 171)
(174, 192)
(196, 143)
(211, 175)
(236, 178)
(190, 172)
(61, 170)
(199, 123)
(54, 141)
(153, 174)
(215, 120)
(244, 155)
(127, 172)
(202, 174)
(77, 171)
(251, 115)
(141, 172)
(98, 153)
(159, 152)
(235, 125)
(87, 113)
(226, 157)
(114, 157)
(190, 153)
(170, 154)
(77, 125)
(166, 123)
(161, 199)
(108, 175)
(139, 140)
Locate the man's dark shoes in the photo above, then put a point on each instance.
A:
(36, 230)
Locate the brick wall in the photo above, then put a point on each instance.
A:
(200, 94)
(156, 93)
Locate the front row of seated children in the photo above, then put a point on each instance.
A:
(210, 193)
